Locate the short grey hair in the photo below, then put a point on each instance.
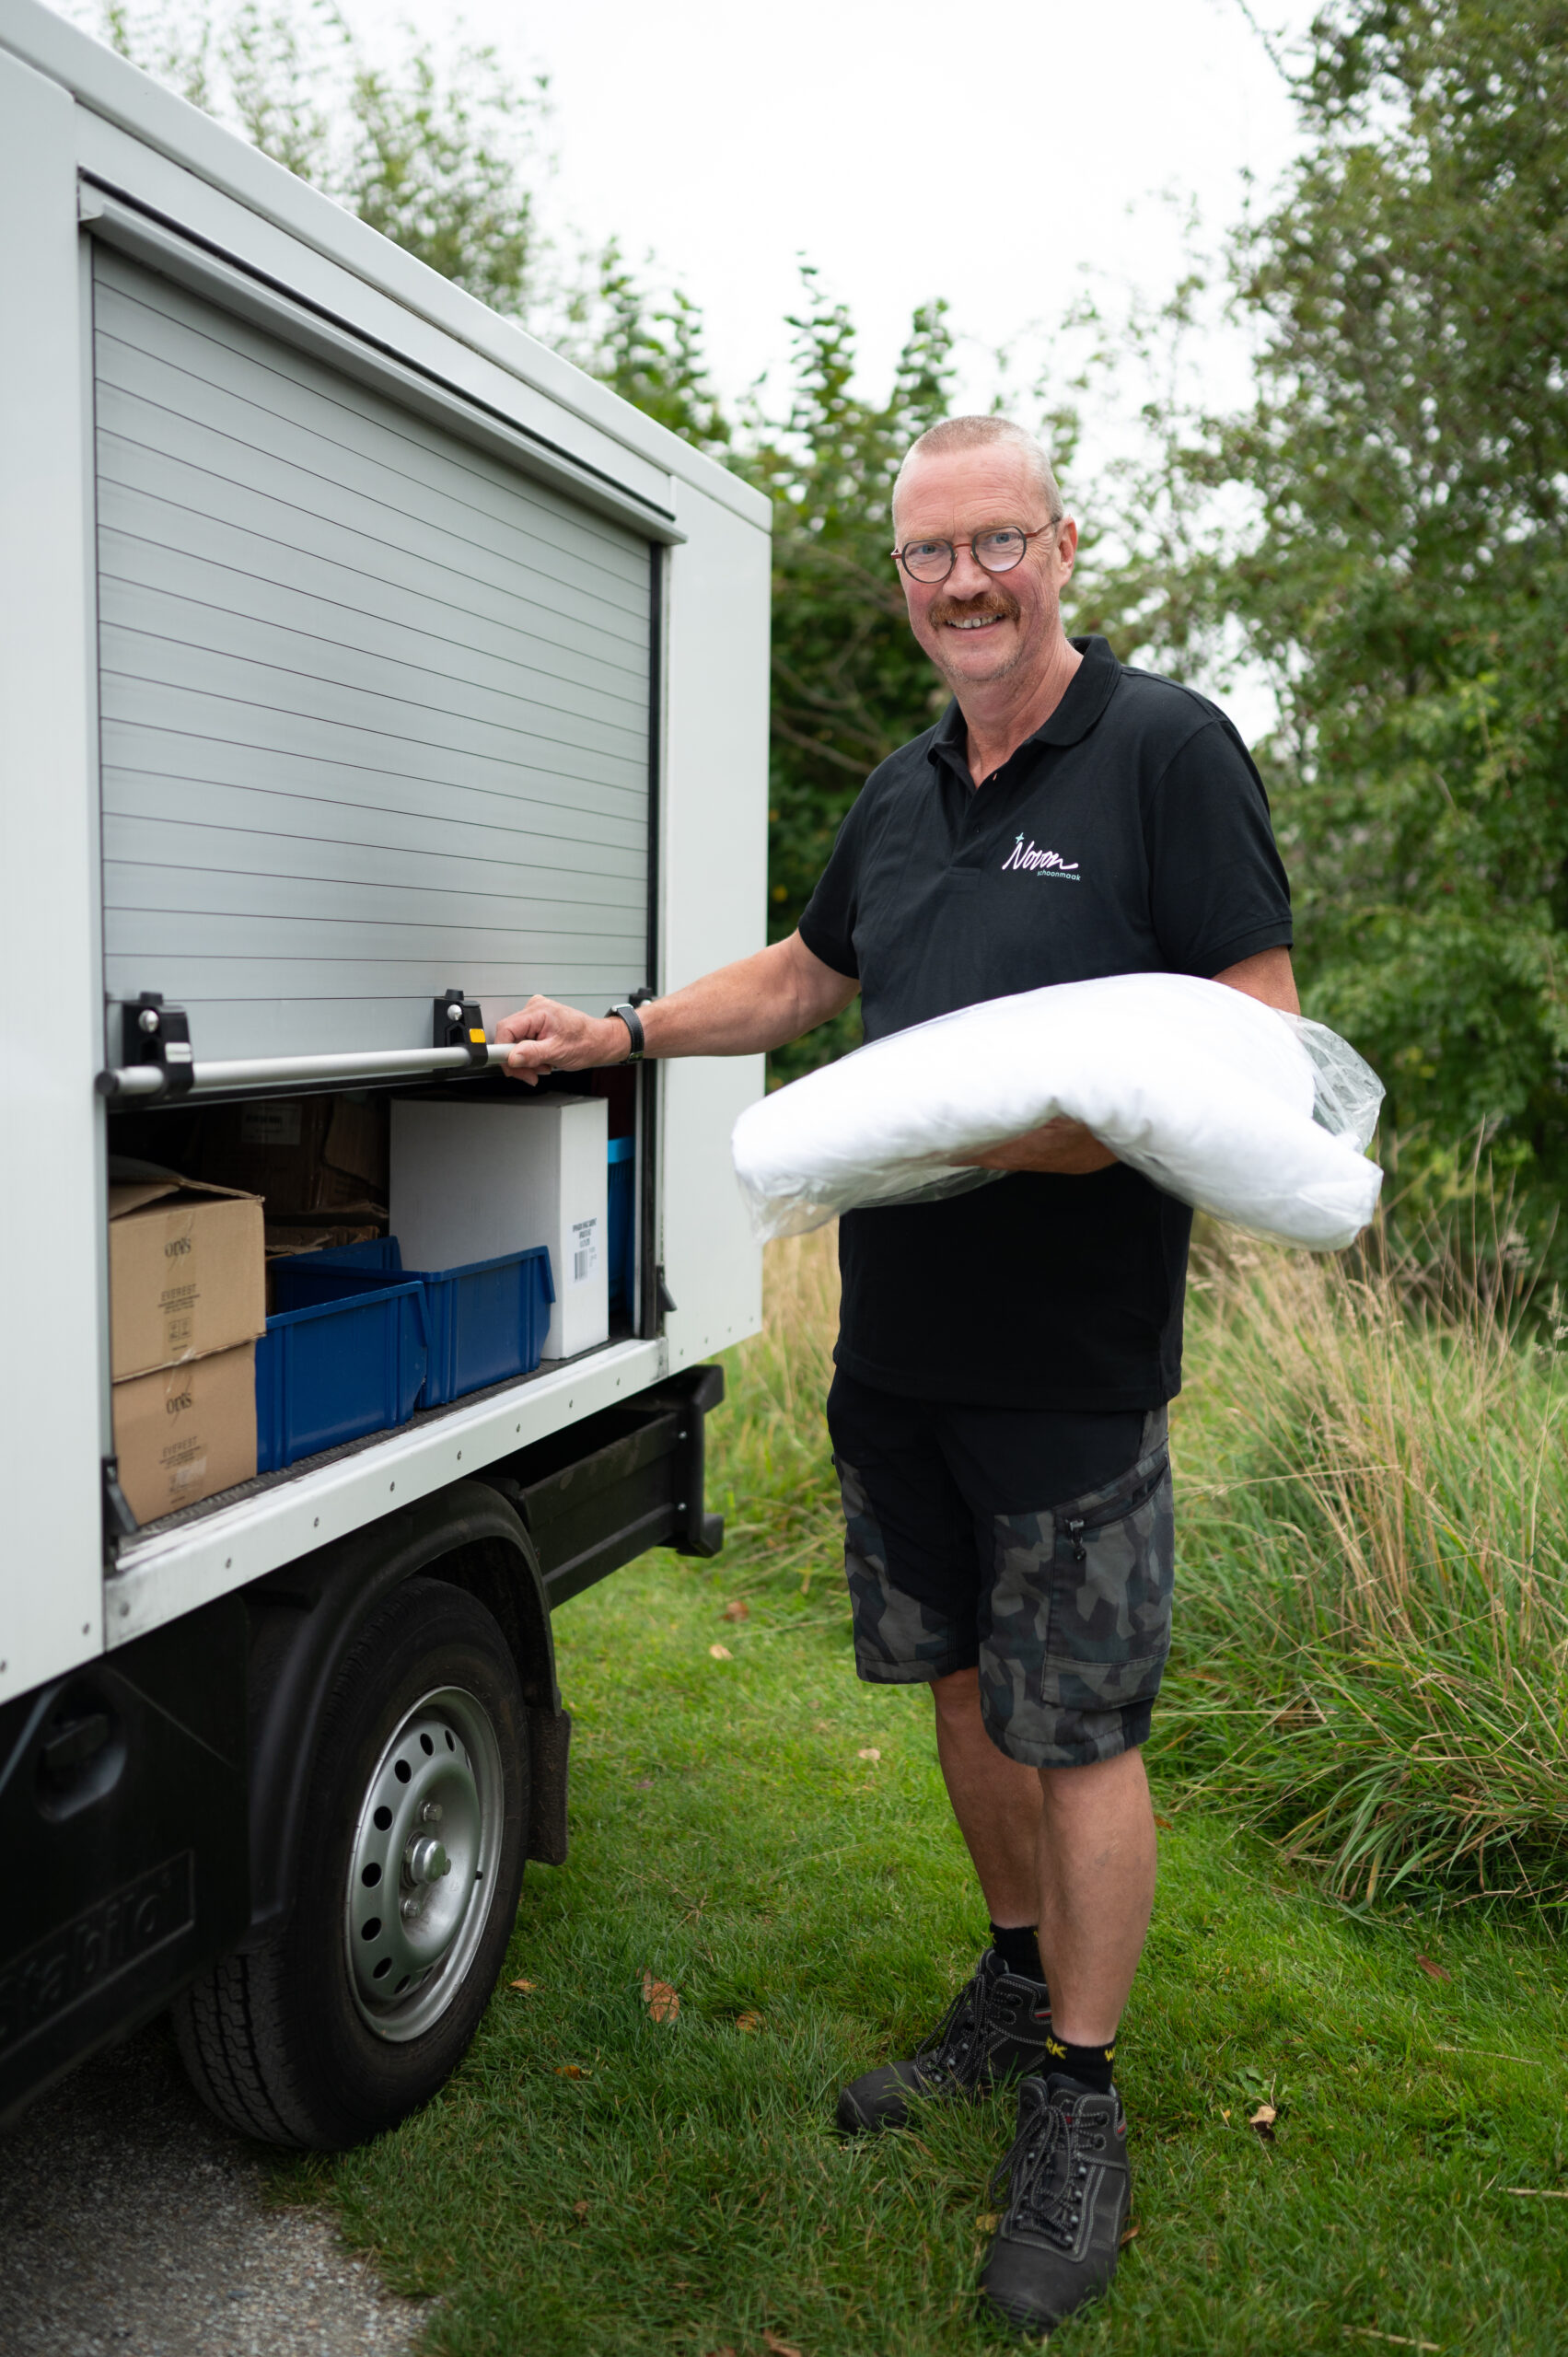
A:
(973, 434)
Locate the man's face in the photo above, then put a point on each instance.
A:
(980, 627)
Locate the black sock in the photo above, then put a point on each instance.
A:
(1089, 2065)
(1020, 1949)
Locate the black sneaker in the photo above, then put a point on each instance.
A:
(994, 2030)
(1069, 2193)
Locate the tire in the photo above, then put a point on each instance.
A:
(357, 2011)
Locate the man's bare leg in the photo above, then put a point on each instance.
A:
(1096, 1885)
(1072, 1848)
(996, 1801)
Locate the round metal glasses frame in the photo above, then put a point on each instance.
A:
(1010, 557)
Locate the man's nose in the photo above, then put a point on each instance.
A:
(967, 578)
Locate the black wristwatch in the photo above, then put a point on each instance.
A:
(633, 1022)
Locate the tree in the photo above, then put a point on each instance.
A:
(438, 156)
(1405, 574)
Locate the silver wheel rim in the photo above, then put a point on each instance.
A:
(423, 1864)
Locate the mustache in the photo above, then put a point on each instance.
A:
(1000, 602)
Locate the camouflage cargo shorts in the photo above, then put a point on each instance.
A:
(1065, 1606)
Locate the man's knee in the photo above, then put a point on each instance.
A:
(1098, 1783)
(957, 1696)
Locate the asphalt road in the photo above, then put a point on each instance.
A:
(131, 2222)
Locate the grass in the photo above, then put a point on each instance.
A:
(1374, 1619)
(770, 1839)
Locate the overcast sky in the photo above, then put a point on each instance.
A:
(908, 147)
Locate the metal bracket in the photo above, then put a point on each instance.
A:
(119, 1522)
(151, 1033)
(460, 1024)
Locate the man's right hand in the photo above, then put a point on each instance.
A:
(760, 1002)
(552, 1037)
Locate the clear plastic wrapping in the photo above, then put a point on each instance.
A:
(1258, 1118)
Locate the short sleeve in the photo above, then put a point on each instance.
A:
(1218, 888)
(827, 922)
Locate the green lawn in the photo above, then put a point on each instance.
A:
(597, 2184)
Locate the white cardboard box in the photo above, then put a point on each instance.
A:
(470, 1182)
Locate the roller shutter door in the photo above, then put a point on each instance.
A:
(375, 705)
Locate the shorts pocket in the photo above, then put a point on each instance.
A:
(1079, 1617)
(1113, 1579)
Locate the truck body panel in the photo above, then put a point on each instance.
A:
(355, 648)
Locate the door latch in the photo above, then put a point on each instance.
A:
(460, 1024)
(151, 1033)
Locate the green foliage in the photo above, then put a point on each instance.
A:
(1411, 455)
(435, 169)
(436, 155)
(653, 356)
(1404, 577)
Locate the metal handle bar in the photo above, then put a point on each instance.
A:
(275, 1072)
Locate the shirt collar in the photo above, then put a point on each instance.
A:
(1088, 692)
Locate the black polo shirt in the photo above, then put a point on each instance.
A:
(1129, 835)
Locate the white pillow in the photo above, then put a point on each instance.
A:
(1258, 1117)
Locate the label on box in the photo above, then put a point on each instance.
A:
(177, 1306)
(183, 1433)
(269, 1124)
(584, 1250)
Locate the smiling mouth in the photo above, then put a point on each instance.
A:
(975, 616)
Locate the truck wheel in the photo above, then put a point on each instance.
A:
(364, 2003)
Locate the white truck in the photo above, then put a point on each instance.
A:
(357, 655)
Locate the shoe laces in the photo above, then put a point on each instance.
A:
(1046, 2177)
(957, 2046)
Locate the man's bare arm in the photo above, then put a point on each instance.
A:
(1070, 1150)
(758, 1002)
(1269, 976)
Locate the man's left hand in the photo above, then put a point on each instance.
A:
(1063, 1146)
(1072, 1151)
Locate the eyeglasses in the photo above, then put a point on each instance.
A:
(997, 549)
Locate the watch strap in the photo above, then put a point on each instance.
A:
(633, 1022)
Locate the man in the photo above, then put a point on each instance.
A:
(1006, 1355)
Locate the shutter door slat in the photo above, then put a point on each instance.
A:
(375, 708)
(467, 648)
(169, 501)
(296, 412)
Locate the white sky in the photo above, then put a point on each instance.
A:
(908, 148)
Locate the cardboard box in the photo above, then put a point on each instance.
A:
(471, 1181)
(186, 1272)
(305, 1154)
(184, 1433)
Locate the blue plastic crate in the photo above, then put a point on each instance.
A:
(337, 1369)
(485, 1322)
(622, 1225)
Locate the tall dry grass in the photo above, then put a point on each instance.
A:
(1372, 1652)
(770, 1447)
